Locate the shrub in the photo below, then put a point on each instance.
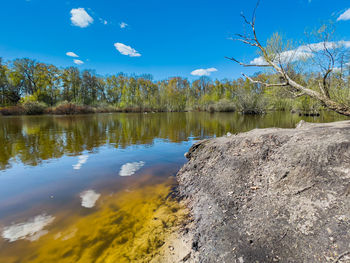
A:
(12, 110)
(307, 106)
(250, 102)
(34, 107)
(67, 108)
(223, 105)
(281, 104)
(104, 108)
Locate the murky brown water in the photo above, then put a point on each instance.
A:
(93, 188)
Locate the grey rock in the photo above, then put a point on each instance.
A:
(285, 193)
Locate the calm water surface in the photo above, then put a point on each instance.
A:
(92, 188)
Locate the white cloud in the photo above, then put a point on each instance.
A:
(126, 50)
(260, 61)
(89, 198)
(320, 46)
(203, 72)
(81, 160)
(129, 169)
(31, 230)
(80, 17)
(344, 16)
(303, 52)
(286, 56)
(123, 25)
(72, 54)
(78, 62)
(346, 44)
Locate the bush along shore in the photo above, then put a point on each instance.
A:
(65, 108)
(270, 195)
(68, 108)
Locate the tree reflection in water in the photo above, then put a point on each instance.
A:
(31, 139)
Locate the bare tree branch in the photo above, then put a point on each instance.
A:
(264, 83)
(254, 12)
(297, 89)
(246, 42)
(247, 65)
(245, 19)
(298, 95)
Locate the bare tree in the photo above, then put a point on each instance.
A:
(279, 61)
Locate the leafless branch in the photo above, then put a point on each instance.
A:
(264, 83)
(247, 65)
(298, 95)
(246, 42)
(254, 12)
(245, 19)
(341, 256)
(278, 66)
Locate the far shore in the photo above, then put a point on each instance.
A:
(74, 109)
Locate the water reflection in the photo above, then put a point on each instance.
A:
(89, 198)
(31, 139)
(129, 226)
(31, 230)
(129, 169)
(81, 160)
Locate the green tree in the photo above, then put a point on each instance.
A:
(71, 84)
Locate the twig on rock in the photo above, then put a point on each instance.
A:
(341, 256)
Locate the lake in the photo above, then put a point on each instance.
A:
(94, 188)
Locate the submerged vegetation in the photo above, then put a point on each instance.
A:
(129, 226)
(30, 87)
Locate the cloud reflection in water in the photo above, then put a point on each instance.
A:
(129, 169)
(31, 230)
(89, 198)
(81, 160)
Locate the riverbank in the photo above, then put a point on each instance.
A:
(75, 109)
(271, 195)
(37, 108)
(64, 109)
(177, 245)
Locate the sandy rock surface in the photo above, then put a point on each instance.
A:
(271, 195)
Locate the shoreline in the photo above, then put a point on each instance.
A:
(319, 114)
(73, 109)
(178, 243)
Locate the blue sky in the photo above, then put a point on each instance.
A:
(166, 38)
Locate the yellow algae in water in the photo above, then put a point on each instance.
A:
(127, 227)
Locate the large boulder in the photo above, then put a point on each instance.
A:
(271, 195)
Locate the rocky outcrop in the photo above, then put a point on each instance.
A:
(271, 195)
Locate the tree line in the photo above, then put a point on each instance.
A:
(26, 81)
